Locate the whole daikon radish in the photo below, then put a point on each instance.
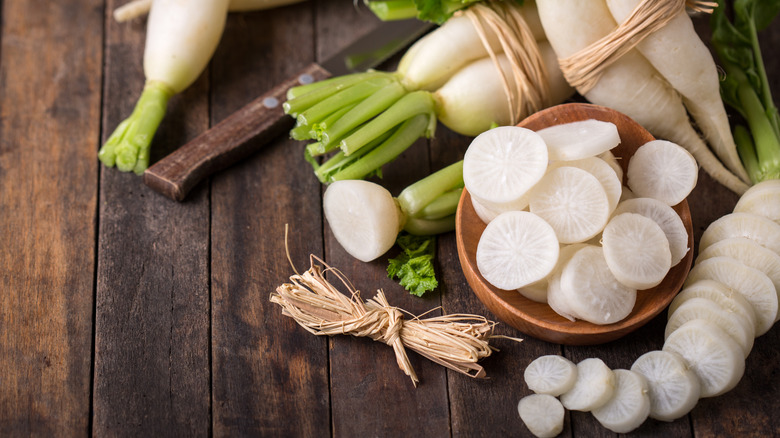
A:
(137, 8)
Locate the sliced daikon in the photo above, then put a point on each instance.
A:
(738, 327)
(670, 222)
(673, 387)
(595, 385)
(516, 249)
(636, 250)
(542, 414)
(536, 291)
(753, 284)
(581, 139)
(558, 299)
(502, 164)
(662, 170)
(716, 359)
(593, 292)
(764, 231)
(762, 199)
(629, 406)
(613, 162)
(551, 374)
(484, 213)
(573, 202)
(602, 171)
(717, 292)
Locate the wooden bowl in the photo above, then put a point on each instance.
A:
(538, 319)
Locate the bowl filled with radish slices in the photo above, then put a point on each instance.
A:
(573, 226)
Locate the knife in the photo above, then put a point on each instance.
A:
(248, 129)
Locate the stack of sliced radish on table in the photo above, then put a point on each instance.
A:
(562, 228)
(729, 298)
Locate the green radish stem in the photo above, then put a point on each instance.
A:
(348, 96)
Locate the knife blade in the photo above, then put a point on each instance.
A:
(251, 127)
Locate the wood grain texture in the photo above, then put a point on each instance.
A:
(151, 373)
(269, 376)
(50, 69)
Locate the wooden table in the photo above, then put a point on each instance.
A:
(123, 313)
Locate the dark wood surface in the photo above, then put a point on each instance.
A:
(125, 313)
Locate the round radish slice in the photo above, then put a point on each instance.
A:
(753, 284)
(739, 328)
(629, 406)
(595, 385)
(502, 164)
(551, 374)
(665, 216)
(542, 414)
(673, 387)
(662, 170)
(558, 299)
(764, 231)
(613, 162)
(720, 294)
(593, 292)
(581, 139)
(536, 291)
(363, 216)
(602, 171)
(711, 353)
(762, 199)
(573, 202)
(516, 249)
(636, 250)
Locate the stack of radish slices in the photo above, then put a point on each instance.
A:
(562, 228)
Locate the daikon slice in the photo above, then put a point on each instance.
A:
(629, 406)
(753, 284)
(711, 353)
(542, 414)
(602, 171)
(763, 199)
(594, 387)
(516, 249)
(613, 162)
(558, 299)
(594, 294)
(573, 202)
(662, 170)
(673, 387)
(536, 291)
(551, 374)
(636, 250)
(670, 222)
(739, 328)
(581, 139)
(764, 231)
(719, 293)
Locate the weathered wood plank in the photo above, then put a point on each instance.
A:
(50, 72)
(269, 375)
(152, 315)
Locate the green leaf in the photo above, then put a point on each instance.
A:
(413, 267)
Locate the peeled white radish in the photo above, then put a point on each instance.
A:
(581, 139)
(602, 171)
(502, 164)
(711, 353)
(662, 170)
(636, 250)
(739, 328)
(763, 230)
(516, 249)
(670, 222)
(762, 199)
(363, 216)
(542, 414)
(573, 202)
(673, 387)
(753, 284)
(629, 406)
(594, 294)
(717, 292)
(594, 387)
(551, 374)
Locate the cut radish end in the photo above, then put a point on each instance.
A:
(711, 353)
(582, 139)
(542, 414)
(673, 387)
(573, 202)
(363, 216)
(629, 406)
(551, 374)
(719, 293)
(502, 164)
(595, 385)
(764, 231)
(662, 170)
(762, 199)
(516, 249)
(636, 250)
(670, 222)
(739, 328)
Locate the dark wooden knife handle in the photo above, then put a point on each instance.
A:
(229, 141)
